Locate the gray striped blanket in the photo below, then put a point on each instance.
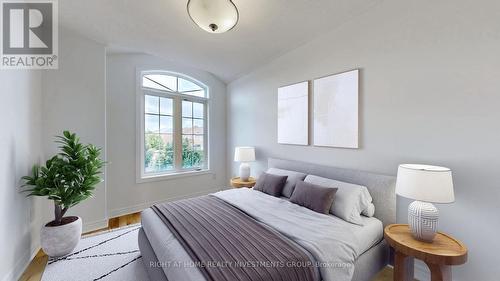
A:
(226, 244)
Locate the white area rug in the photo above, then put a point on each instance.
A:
(112, 255)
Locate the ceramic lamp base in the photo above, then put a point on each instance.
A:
(244, 171)
(423, 220)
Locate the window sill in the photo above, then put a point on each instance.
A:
(173, 175)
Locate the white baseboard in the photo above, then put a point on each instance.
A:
(94, 225)
(422, 273)
(145, 205)
(23, 263)
(20, 266)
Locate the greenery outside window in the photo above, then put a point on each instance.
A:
(173, 125)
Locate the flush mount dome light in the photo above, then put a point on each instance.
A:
(214, 16)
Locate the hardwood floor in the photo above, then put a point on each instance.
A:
(124, 220)
(37, 266)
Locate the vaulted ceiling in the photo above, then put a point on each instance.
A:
(266, 29)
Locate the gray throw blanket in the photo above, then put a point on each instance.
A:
(226, 244)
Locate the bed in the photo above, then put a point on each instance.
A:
(363, 246)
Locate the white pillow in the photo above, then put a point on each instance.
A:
(291, 181)
(350, 200)
(370, 211)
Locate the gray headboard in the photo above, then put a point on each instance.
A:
(381, 187)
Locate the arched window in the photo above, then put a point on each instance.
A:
(173, 124)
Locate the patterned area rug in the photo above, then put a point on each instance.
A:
(112, 255)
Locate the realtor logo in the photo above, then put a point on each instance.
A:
(29, 34)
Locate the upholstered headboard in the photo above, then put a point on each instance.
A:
(381, 187)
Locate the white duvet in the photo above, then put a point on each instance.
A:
(328, 239)
(334, 243)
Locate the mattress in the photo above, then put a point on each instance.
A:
(175, 261)
(370, 234)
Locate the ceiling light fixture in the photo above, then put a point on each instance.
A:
(214, 16)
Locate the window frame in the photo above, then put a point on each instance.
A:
(177, 98)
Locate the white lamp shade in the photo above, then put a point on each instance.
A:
(425, 183)
(214, 16)
(244, 154)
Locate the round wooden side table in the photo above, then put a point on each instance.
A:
(440, 255)
(237, 182)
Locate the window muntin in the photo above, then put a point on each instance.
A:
(173, 84)
(174, 123)
(187, 86)
(158, 134)
(193, 134)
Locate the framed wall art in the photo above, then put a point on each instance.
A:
(335, 121)
(293, 114)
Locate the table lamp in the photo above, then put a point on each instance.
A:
(425, 184)
(244, 154)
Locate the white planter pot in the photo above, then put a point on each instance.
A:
(61, 240)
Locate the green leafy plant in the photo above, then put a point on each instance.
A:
(67, 178)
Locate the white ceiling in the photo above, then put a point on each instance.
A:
(266, 29)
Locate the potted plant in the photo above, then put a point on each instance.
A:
(67, 178)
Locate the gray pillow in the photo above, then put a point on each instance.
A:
(293, 178)
(314, 197)
(350, 199)
(270, 184)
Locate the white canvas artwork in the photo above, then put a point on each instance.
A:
(293, 114)
(336, 110)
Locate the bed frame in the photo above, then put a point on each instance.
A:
(381, 187)
(382, 190)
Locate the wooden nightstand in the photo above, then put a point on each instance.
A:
(439, 255)
(237, 182)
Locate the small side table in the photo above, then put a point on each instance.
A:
(237, 182)
(439, 255)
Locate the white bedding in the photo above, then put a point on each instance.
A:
(329, 239)
(370, 234)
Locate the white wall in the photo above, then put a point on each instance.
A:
(124, 194)
(429, 93)
(74, 99)
(20, 148)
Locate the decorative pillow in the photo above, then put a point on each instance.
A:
(314, 197)
(350, 199)
(270, 184)
(293, 178)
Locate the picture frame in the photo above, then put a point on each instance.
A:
(293, 114)
(335, 110)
